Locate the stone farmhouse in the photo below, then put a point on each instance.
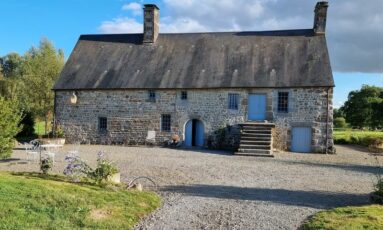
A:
(247, 91)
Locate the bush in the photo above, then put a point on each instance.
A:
(77, 169)
(340, 122)
(28, 123)
(46, 165)
(10, 118)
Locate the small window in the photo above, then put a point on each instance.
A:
(166, 123)
(152, 95)
(184, 95)
(102, 124)
(283, 102)
(233, 101)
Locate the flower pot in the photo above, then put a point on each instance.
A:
(61, 141)
(115, 178)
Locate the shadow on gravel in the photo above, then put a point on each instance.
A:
(10, 160)
(356, 168)
(313, 199)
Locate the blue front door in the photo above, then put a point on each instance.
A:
(194, 133)
(301, 139)
(257, 107)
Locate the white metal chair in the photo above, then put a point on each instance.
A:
(51, 155)
(31, 151)
(151, 137)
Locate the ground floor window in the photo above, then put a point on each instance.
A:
(165, 123)
(102, 124)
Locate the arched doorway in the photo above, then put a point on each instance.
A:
(194, 133)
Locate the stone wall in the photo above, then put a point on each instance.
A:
(131, 115)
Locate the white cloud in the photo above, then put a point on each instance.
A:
(134, 7)
(354, 30)
(121, 25)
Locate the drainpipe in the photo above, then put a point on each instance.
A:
(328, 118)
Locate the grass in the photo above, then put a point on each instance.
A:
(40, 128)
(365, 217)
(359, 137)
(32, 201)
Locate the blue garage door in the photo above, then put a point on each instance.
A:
(257, 107)
(301, 139)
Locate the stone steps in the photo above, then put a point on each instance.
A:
(256, 139)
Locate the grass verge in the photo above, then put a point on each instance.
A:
(32, 201)
(358, 137)
(364, 217)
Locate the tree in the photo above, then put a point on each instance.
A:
(340, 122)
(11, 65)
(10, 117)
(362, 107)
(41, 68)
(338, 113)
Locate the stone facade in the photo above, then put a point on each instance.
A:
(130, 115)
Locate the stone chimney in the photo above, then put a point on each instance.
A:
(320, 17)
(151, 23)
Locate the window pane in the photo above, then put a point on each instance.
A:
(152, 95)
(102, 123)
(184, 95)
(283, 102)
(233, 100)
(166, 123)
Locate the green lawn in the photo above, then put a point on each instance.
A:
(29, 201)
(365, 217)
(40, 128)
(356, 136)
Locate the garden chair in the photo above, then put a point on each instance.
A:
(151, 137)
(51, 155)
(31, 151)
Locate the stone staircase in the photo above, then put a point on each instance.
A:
(256, 139)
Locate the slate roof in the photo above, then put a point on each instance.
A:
(291, 58)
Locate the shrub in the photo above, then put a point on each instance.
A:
(340, 122)
(104, 169)
(379, 186)
(46, 165)
(78, 169)
(28, 123)
(10, 118)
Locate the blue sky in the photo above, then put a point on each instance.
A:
(356, 60)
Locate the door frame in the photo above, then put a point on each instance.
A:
(248, 103)
(194, 132)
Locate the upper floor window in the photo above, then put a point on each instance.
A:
(152, 95)
(184, 95)
(233, 101)
(165, 123)
(283, 102)
(102, 124)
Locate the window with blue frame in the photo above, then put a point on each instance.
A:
(233, 101)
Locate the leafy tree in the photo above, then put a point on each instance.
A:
(11, 65)
(338, 113)
(10, 117)
(362, 107)
(340, 122)
(28, 124)
(41, 69)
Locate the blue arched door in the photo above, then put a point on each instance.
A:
(194, 133)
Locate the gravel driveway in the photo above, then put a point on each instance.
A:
(216, 190)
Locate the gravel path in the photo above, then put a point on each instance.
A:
(216, 190)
